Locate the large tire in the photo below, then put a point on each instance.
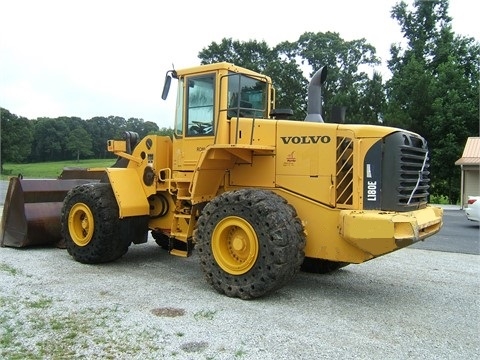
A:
(250, 243)
(91, 226)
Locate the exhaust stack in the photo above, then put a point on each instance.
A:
(314, 104)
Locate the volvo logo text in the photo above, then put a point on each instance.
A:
(305, 139)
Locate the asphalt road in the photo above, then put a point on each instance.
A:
(458, 234)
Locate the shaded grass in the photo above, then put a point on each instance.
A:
(50, 170)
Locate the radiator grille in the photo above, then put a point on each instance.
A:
(414, 175)
(405, 175)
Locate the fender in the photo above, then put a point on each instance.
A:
(214, 161)
(128, 190)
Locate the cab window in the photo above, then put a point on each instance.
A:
(246, 97)
(200, 105)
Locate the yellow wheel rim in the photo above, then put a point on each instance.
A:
(81, 224)
(235, 245)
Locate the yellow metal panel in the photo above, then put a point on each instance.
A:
(116, 145)
(305, 160)
(359, 236)
(318, 188)
(379, 233)
(187, 151)
(368, 131)
(323, 238)
(214, 163)
(128, 191)
(253, 131)
(260, 172)
(222, 67)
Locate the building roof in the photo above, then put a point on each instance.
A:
(471, 152)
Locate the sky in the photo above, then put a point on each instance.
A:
(101, 57)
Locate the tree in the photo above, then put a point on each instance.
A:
(251, 54)
(285, 65)
(453, 119)
(80, 143)
(346, 61)
(434, 88)
(372, 100)
(101, 129)
(164, 132)
(49, 140)
(16, 138)
(141, 127)
(286, 75)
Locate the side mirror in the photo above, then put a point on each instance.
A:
(166, 86)
(168, 80)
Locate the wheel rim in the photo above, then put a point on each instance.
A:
(235, 245)
(80, 224)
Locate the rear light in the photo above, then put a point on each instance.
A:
(471, 201)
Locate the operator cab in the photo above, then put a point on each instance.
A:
(213, 102)
(202, 101)
(197, 105)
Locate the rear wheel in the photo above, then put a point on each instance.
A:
(91, 227)
(250, 242)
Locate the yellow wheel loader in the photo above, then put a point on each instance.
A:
(258, 196)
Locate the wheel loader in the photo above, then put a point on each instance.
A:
(256, 195)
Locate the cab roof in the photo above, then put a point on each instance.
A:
(219, 66)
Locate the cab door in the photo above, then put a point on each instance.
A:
(194, 124)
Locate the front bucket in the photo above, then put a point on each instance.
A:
(32, 211)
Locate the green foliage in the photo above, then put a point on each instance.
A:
(347, 83)
(286, 74)
(63, 138)
(164, 132)
(80, 143)
(439, 200)
(251, 54)
(285, 63)
(434, 88)
(16, 137)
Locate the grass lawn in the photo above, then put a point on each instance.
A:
(50, 170)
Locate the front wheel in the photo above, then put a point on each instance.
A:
(250, 242)
(91, 227)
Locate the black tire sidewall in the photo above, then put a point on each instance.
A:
(280, 242)
(106, 244)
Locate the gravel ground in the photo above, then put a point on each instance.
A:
(411, 304)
